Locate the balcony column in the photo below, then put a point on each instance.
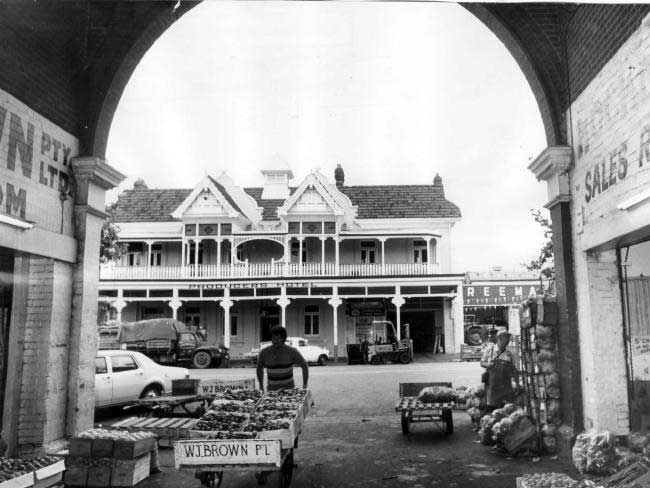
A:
(287, 255)
(197, 242)
(383, 249)
(323, 239)
(429, 267)
(283, 302)
(226, 304)
(119, 305)
(149, 245)
(337, 243)
(335, 302)
(218, 241)
(175, 304)
(398, 301)
(300, 241)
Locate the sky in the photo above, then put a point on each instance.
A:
(394, 92)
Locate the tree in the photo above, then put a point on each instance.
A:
(110, 248)
(544, 262)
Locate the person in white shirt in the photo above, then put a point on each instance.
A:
(500, 365)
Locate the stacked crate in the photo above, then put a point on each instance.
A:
(108, 462)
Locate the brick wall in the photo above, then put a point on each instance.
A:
(594, 34)
(42, 404)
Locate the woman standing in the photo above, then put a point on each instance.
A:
(500, 367)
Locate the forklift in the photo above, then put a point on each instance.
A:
(383, 345)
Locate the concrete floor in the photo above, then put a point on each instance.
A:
(353, 436)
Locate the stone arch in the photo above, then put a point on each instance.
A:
(546, 92)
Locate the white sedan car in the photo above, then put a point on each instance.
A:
(311, 353)
(124, 376)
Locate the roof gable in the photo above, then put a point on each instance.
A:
(208, 199)
(311, 197)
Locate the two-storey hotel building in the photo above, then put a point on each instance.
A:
(323, 259)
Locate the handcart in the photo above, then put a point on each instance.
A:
(414, 411)
(174, 406)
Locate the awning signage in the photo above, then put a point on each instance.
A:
(474, 295)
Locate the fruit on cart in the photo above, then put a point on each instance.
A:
(437, 394)
(548, 480)
(262, 424)
(246, 406)
(240, 395)
(229, 435)
(118, 435)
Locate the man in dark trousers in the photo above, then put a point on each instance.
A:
(279, 360)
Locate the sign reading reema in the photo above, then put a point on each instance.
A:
(496, 294)
(35, 173)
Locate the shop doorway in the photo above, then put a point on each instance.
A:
(6, 296)
(635, 287)
(269, 316)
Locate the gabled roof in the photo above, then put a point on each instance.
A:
(373, 202)
(400, 202)
(219, 193)
(317, 182)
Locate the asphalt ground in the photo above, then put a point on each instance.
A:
(353, 436)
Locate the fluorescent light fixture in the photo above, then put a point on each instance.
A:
(6, 219)
(635, 200)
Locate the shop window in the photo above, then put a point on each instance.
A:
(312, 320)
(192, 316)
(368, 252)
(152, 313)
(100, 366)
(295, 249)
(420, 254)
(156, 255)
(123, 363)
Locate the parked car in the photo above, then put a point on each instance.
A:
(311, 353)
(124, 376)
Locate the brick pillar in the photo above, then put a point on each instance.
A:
(92, 177)
(552, 166)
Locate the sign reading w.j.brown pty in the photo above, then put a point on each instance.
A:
(496, 294)
(35, 173)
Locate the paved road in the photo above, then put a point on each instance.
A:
(353, 436)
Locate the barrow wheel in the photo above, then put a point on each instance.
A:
(448, 418)
(202, 360)
(210, 479)
(286, 473)
(376, 359)
(405, 423)
(404, 358)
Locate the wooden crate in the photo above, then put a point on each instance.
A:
(24, 481)
(75, 475)
(101, 448)
(49, 475)
(130, 472)
(133, 449)
(80, 447)
(99, 477)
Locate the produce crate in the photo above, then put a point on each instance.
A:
(166, 429)
(470, 353)
(49, 475)
(635, 475)
(129, 472)
(24, 481)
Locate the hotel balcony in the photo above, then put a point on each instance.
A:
(265, 270)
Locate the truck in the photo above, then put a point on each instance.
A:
(169, 341)
(384, 347)
(477, 333)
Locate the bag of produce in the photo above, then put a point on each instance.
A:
(516, 415)
(510, 408)
(626, 457)
(479, 391)
(601, 457)
(499, 414)
(546, 362)
(579, 451)
(637, 442)
(437, 394)
(544, 337)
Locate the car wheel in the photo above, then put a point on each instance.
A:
(202, 360)
(404, 358)
(322, 360)
(376, 359)
(152, 391)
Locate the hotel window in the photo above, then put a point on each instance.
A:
(312, 320)
(368, 252)
(420, 252)
(234, 322)
(295, 249)
(156, 255)
(134, 254)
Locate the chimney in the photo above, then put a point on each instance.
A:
(276, 184)
(139, 184)
(339, 176)
(437, 184)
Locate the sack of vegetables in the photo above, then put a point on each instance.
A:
(437, 394)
